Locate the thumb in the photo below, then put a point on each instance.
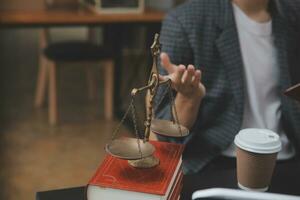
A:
(164, 78)
(166, 63)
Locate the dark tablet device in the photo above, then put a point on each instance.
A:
(293, 92)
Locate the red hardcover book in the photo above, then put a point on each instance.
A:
(177, 190)
(117, 176)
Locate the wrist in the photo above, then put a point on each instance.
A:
(187, 108)
(188, 100)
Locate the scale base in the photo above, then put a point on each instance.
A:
(147, 162)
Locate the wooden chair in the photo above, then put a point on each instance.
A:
(84, 52)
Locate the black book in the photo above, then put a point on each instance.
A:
(77, 193)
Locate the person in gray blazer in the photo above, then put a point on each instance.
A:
(229, 62)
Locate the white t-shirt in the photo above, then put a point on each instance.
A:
(262, 108)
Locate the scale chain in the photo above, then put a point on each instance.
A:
(176, 120)
(134, 119)
(122, 120)
(164, 94)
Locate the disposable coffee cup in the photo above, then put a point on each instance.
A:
(256, 153)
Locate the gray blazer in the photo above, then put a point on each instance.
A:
(203, 33)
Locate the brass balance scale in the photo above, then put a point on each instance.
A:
(139, 151)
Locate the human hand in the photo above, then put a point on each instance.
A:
(185, 80)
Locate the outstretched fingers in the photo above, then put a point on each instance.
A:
(188, 75)
(197, 78)
(185, 80)
(177, 75)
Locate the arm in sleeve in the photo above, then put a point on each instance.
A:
(175, 43)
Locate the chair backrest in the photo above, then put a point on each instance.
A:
(177, 2)
(60, 3)
(59, 34)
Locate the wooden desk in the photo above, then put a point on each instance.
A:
(76, 16)
(285, 181)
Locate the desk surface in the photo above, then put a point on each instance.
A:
(75, 16)
(285, 180)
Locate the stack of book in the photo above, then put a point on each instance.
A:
(115, 179)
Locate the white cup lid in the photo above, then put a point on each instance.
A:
(255, 140)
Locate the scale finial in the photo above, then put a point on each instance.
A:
(156, 46)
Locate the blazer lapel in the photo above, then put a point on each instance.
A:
(284, 39)
(229, 50)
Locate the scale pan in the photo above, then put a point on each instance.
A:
(168, 128)
(127, 149)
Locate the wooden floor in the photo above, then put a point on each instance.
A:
(37, 157)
